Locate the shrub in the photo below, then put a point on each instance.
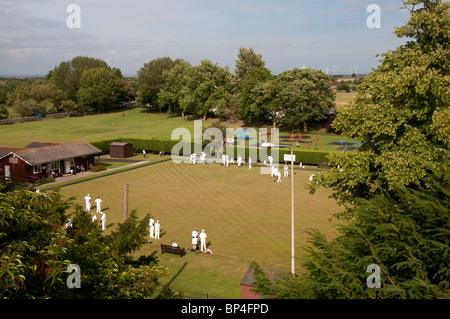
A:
(98, 168)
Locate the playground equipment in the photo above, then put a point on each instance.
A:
(314, 143)
(264, 136)
(299, 135)
(351, 143)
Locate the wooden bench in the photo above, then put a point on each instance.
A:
(171, 249)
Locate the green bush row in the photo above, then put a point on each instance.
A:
(165, 145)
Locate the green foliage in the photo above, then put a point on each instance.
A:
(98, 168)
(67, 75)
(295, 96)
(35, 251)
(4, 113)
(28, 107)
(99, 88)
(401, 112)
(151, 79)
(406, 231)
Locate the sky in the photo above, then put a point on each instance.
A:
(330, 35)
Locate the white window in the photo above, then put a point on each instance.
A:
(53, 166)
(37, 169)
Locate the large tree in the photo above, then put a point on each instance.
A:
(35, 251)
(395, 187)
(67, 75)
(100, 88)
(400, 112)
(175, 87)
(305, 96)
(151, 79)
(247, 59)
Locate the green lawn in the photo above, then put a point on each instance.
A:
(136, 123)
(246, 216)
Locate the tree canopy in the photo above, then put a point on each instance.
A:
(35, 251)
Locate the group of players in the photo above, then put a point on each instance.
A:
(226, 160)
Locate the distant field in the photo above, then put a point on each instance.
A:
(344, 98)
(244, 213)
(136, 123)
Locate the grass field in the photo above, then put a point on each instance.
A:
(247, 218)
(137, 123)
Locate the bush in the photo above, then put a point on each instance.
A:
(98, 168)
(44, 181)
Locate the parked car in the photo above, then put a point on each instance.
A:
(41, 115)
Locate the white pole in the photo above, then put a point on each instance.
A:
(292, 213)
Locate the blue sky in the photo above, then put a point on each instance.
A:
(34, 36)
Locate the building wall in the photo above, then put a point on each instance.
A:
(248, 294)
(21, 170)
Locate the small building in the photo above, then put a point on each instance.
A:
(248, 282)
(120, 150)
(41, 160)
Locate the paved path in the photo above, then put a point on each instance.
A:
(70, 177)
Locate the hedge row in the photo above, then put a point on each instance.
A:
(165, 145)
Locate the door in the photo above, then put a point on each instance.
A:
(67, 162)
(7, 172)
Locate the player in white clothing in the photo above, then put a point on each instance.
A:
(157, 229)
(88, 202)
(98, 203)
(203, 240)
(194, 239)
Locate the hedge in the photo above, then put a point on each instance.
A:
(165, 145)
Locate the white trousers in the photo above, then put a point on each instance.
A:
(152, 231)
(203, 244)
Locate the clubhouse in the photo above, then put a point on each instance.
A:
(41, 160)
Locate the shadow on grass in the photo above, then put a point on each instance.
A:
(166, 292)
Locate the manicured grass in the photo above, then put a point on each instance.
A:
(137, 123)
(247, 218)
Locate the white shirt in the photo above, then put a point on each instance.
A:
(98, 201)
(88, 199)
(203, 236)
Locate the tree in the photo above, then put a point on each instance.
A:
(35, 251)
(175, 87)
(212, 85)
(28, 107)
(265, 102)
(395, 189)
(4, 113)
(400, 112)
(38, 91)
(150, 80)
(99, 88)
(253, 77)
(67, 75)
(247, 59)
(8, 87)
(405, 231)
(305, 96)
